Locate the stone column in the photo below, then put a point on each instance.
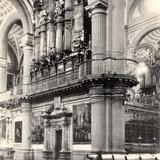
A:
(10, 131)
(7, 130)
(98, 119)
(28, 52)
(53, 141)
(59, 36)
(68, 25)
(26, 123)
(98, 15)
(36, 45)
(50, 35)
(47, 153)
(24, 152)
(51, 30)
(43, 39)
(3, 74)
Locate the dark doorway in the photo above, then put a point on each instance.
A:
(58, 142)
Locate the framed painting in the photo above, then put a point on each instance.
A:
(37, 128)
(82, 123)
(18, 132)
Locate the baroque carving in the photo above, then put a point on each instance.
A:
(43, 17)
(59, 7)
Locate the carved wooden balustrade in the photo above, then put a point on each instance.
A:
(50, 78)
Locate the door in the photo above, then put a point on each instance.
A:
(58, 142)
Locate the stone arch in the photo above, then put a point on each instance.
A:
(25, 13)
(146, 45)
(11, 19)
(136, 40)
(21, 13)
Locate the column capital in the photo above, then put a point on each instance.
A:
(97, 4)
(27, 39)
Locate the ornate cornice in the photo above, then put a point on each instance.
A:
(110, 82)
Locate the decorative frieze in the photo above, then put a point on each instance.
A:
(76, 97)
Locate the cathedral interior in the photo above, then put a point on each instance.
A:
(80, 79)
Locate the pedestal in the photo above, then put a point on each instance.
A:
(47, 155)
(23, 154)
(64, 156)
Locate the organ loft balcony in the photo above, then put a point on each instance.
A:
(64, 73)
(67, 72)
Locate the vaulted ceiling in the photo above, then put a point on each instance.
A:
(7, 8)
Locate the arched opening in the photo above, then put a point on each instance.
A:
(13, 56)
(143, 37)
(16, 23)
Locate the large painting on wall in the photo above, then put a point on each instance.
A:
(18, 132)
(82, 123)
(37, 128)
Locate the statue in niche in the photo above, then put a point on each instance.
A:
(43, 17)
(59, 7)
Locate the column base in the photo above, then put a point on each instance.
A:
(64, 155)
(47, 155)
(24, 154)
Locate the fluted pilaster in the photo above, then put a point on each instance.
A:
(43, 39)
(50, 35)
(68, 25)
(59, 36)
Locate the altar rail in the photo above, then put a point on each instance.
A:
(136, 156)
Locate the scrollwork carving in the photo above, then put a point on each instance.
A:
(59, 8)
(43, 17)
